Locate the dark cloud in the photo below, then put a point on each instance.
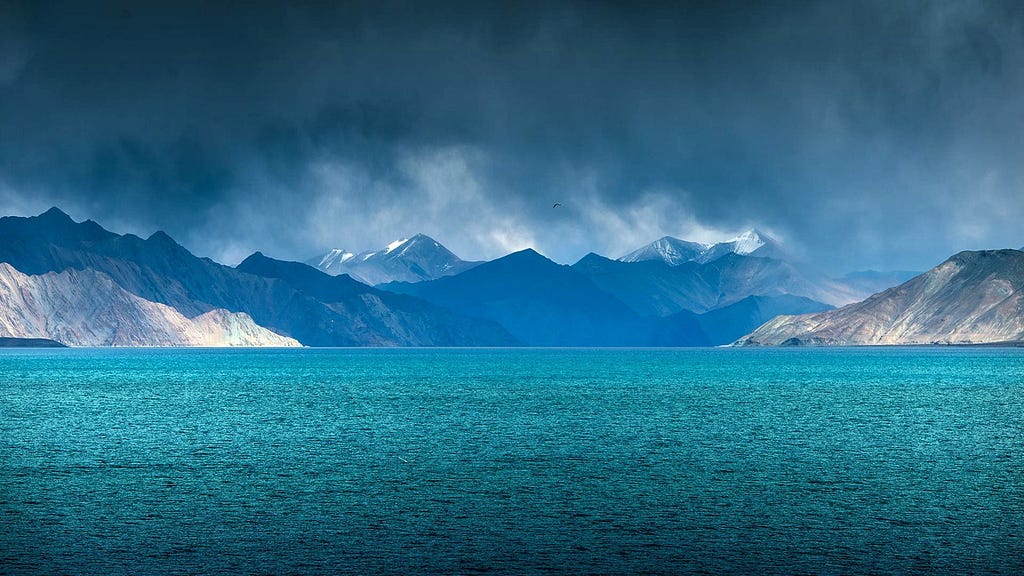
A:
(872, 134)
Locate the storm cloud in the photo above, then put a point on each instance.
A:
(863, 134)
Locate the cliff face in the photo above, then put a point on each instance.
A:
(974, 297)
(86, 308)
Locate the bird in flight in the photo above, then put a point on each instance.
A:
(557, 204)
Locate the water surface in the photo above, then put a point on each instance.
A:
(524, 461)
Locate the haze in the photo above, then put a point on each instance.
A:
(883, 135)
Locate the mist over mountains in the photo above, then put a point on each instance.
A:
(79, 284)
(288, 127)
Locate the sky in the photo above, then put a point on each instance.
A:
(864, 135)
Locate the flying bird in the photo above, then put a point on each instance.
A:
(557, 204)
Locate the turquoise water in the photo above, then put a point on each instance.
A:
(512, 461)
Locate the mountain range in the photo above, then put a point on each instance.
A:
(158, 274)
(78, 284)
(653, 287)
(547, 304)
(673, 251)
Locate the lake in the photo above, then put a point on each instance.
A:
(411, 461)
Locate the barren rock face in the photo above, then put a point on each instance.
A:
(86, 308)
(974, 297)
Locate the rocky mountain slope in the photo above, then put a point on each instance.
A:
(86, 308)
(974, 297)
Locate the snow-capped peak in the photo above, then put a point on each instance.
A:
(420, 238)
(412, 259)
(672, 251)
(747, 242)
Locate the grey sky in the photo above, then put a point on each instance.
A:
(864, 134)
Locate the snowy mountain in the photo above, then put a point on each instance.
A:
(671, 274)
(669, 250)
(674, 251)
(974, 297)
(407, 260)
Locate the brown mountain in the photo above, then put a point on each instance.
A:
(972, 298)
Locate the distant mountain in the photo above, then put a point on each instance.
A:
(674, 252)
(871, 282)
(161, 271)
(671, 251)
(331, 262)
(974, 297)
(408, 260)
(725, 325)
(653, 287)
(650, 287)
(86, 308)
(79, 284)
(546, 304)
(407, 319)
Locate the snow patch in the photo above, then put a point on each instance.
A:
(335, 256)
(394, 245)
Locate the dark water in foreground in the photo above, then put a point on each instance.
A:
(524, 461)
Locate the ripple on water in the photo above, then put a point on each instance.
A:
(465, 461)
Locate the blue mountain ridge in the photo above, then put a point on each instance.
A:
(653, 287)
(520, 299)
(547, 304)
(160, 270)
(341, 292)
